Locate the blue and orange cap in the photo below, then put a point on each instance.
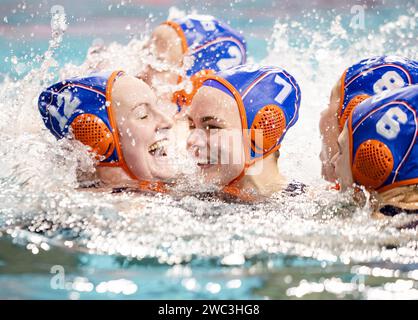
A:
(383, 140)
(372, 76)
(268, 99)
(213, 44)
(84, 105)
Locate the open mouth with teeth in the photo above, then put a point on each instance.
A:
(158, 148)
(205, 163)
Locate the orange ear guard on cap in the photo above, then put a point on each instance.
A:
(342, 118)
(90, 130)
(272, 121)
(372, 164)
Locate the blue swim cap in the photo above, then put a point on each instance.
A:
(383, 140)
(84, 105)
(372, 76)
(268, 100)
(213, 44)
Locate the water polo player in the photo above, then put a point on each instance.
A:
(239, 118)
(378, 149)
(116, 115)
(208, 42)
(360, 81)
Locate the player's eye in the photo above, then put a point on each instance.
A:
(140, 111)
(191, 124)
(212, 127)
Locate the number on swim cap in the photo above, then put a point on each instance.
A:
(284, 92)
(234, 60)
(388, 126)
(389, 81)
(68, 103)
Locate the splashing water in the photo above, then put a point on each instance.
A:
(40, 203)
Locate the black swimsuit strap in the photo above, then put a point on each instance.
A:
(391, 211)
(294, 189)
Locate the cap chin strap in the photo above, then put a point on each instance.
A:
(235, 181)
(115, 132)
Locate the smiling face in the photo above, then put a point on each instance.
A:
(341, 161)
(144, 131)
(329, 129)
(216, 137)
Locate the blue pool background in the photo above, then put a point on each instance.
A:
(25, 32)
